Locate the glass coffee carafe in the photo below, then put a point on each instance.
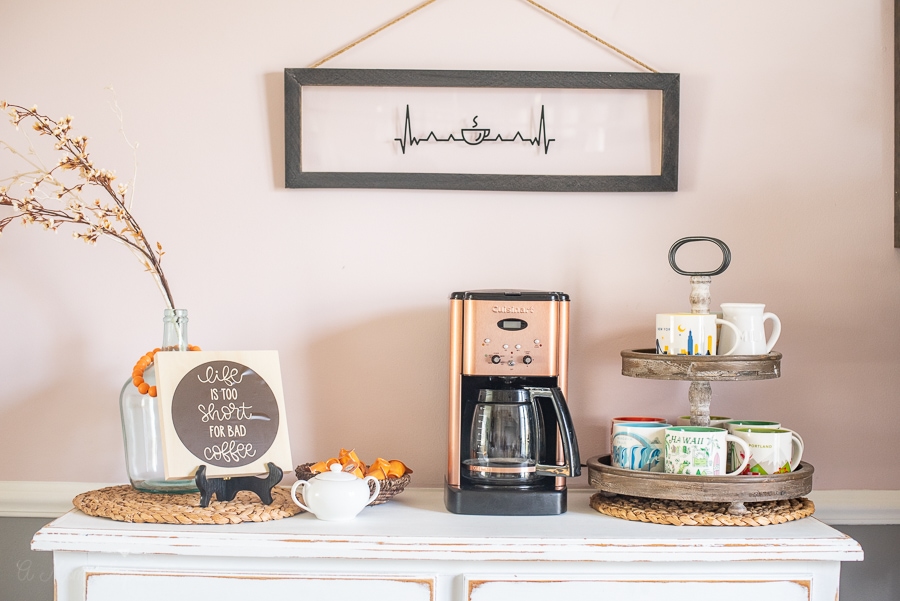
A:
(507, 443)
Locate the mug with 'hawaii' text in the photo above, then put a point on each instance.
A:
(701, 451)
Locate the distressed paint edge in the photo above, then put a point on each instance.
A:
(473, 583)
(429, 582)
(28, 499)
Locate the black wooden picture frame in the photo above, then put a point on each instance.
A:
(295, 80)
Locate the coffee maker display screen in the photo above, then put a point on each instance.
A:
(512, 324)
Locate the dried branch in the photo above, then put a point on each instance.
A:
(28, 194)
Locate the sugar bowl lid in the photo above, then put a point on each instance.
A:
(336, 474)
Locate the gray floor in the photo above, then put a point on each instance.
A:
(877, 577)
(27, 575)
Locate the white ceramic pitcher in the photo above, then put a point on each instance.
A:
(750, 319)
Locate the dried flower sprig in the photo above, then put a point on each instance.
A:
(93, 219)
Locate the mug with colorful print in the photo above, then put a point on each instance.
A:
(701, 451)
(732, 425)
(631, 418)
(639, 446)
(691, 334)
(772, 450)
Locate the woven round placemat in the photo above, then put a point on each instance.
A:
(694, 513)
(125, 504)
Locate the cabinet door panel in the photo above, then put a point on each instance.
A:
(156, 586)
(662, 588)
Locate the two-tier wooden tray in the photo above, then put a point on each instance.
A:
(700, 371)
(680, 487)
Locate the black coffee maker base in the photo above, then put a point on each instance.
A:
(497, 501)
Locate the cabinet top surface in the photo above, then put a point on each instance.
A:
(416, 521)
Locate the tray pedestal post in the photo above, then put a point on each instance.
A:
(700, 294)
(700, 395)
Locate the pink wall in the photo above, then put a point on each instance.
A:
(786, 154)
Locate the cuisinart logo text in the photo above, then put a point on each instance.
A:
(501, 309)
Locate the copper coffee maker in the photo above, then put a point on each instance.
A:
(511, 440)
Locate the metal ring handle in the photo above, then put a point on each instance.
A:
(726, 255)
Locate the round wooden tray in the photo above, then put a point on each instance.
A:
(647, 363)
(655, 485)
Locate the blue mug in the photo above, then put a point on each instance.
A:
(639, 446)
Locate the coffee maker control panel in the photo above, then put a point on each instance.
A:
(510, 338)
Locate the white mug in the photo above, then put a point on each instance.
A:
(749, 336)
(772, 451)
(732, 425)
(691, 334)
(757, 426)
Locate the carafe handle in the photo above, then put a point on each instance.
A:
(572, 465)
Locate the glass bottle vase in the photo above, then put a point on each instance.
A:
(141, 420)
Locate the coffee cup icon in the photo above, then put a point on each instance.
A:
(474, 136)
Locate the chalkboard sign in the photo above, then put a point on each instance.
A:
(224, 410)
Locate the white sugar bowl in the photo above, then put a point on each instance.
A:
(335, 495)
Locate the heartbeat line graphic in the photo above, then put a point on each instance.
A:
(473, 136)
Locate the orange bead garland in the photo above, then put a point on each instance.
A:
(137, 374)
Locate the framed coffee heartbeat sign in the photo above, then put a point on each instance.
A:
(481, 130)
(224, 410)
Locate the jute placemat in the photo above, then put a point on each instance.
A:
(693, 513)
(125, 504)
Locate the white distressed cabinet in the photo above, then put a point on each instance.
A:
(413, 549)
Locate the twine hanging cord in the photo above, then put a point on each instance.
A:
(592, 36)
(532, 2)
(373, 33)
